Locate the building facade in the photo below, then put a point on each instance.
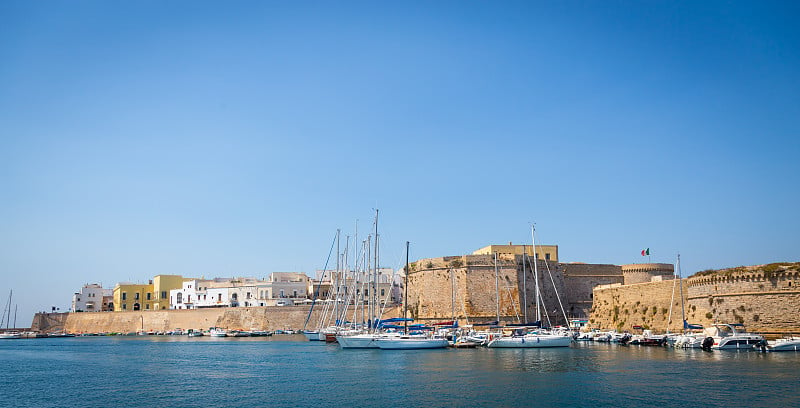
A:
(91, 298)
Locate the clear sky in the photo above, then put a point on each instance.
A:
(233, 138)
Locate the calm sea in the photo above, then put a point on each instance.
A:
(287, 371)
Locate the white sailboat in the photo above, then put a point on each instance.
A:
(526, 337)
(407, 341)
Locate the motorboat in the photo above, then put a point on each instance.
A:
(218, 332)
(785, 344)
(732, 337)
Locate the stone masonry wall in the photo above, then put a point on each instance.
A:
(764, 301)
(581, 279)
(621, 307)
(244, 318)
(431, 289)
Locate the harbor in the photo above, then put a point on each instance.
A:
(287, 370)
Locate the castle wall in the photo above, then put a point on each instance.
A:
(244, 318)
(431, 289)
(763, 301)
(621, 307)
(580, 281)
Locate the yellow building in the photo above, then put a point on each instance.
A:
(151, 296)
(131, 296)
(162, 284)
(546, 252)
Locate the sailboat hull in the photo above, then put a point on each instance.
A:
(531, 341)
(411, 343)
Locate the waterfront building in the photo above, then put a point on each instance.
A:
(132, 296)
(326, 282)
(151, 296)
(91, 298)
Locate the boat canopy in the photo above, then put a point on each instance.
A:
(397, 319)
(690, 326)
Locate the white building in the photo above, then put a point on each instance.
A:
(90, 298)
(282, 288)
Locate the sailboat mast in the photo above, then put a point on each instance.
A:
(405, 289)
(374, 291)
(683, 313)
(496, 289)
(536, 274)
(524, 287)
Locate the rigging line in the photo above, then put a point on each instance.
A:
(319, 284)
(560, 304)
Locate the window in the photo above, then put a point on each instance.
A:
(383, 292)
(282, 294)
(149, 296)
(547, 256)
(136, 296)
(188, 298)
(248, 295)
(163, 294)
(147, 306)
(124, 306)
(294, 293)
(124, 297)
(179, 298)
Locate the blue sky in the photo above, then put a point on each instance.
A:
(234, 138)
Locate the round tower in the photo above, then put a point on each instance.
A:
(641, 273)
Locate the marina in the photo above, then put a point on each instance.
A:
(288, 370)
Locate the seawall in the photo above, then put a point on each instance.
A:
(239, 318)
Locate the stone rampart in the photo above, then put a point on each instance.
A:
(244, 318)
(764, 298)
(581, 279)
(621, 307)
(470, 280)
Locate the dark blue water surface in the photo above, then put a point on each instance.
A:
(287, 371)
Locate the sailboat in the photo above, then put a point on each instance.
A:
(407, 341)
(533, 336)
(9, 334)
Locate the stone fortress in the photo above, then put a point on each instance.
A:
(465, 286)
(765, 298)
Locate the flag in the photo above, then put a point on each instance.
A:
(646, 252)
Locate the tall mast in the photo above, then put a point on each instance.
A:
(536, 273)
(524, 288)
(496, 289)
(374, 290)
(683, 315)
(405, 289)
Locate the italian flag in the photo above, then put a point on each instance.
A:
(646, 252)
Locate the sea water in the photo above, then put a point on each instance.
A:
(287, 371)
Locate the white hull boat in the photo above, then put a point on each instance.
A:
(732, 337)
(218, 333)
(358, 341)
(791, 344)
(411, 343)
(531, 341)
(10, 335)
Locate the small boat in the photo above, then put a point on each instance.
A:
(218, 332)
(260, 333)
(10, 335)
(732, 337)
(239, 333)
(195, 333)
(531, 340)
(785, 344)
